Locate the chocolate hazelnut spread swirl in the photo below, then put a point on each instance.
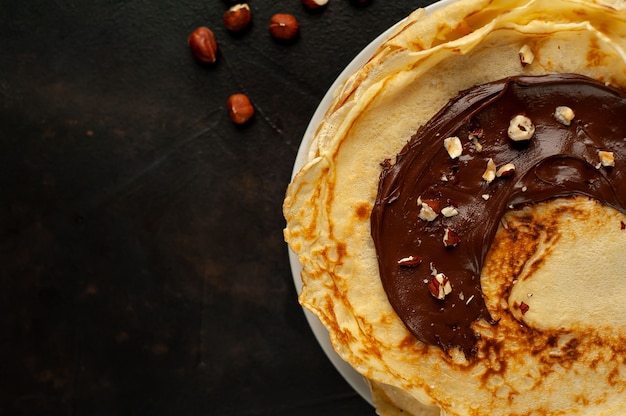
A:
(437, 211)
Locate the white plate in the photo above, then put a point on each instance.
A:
(353, 378)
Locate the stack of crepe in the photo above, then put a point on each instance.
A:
(567, 355)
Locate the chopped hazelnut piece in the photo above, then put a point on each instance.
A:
(410, 261)
(564, 115)
(440, 286)
(427, 213)
(474, 136)
(428, 210)
(450, 238)
(477, 145)
(524, 308)
(453, 146)
(505, 170)
(521, 128)
(526, 55)
(607, 159)
(490, 172)
(449, 211)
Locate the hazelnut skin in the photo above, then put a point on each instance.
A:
(283, 26)
(314, 4)
(240, 108)
(203, 44)
(238, 17)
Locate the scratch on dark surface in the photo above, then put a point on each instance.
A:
(270, 123)
(270, 66)
(258, 109)
(265, 117)
(278, 67)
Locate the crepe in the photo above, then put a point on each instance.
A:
(566, 354)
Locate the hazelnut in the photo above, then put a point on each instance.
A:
(240, 108)
(439, 286)
(314, 4)
(450, 238)
(432, 203)
(607, 159)
(427, 213)
(505, 170)
(453, 146)
(449, 211)
(238, 17)
(429, 209)
(203, 44)
(410, 261)
(523, 307)
(283, 26)
(490, 172)
(526, 55)
(564, 115)
(476, 133)
(521, 128)
(474, 137)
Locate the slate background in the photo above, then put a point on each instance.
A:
(142, 265)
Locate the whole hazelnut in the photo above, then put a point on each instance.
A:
(314, 4)
(283, 26)
(240, 108)
(238, 17)
(203, 44)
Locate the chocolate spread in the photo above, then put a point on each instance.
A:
(559, 160)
